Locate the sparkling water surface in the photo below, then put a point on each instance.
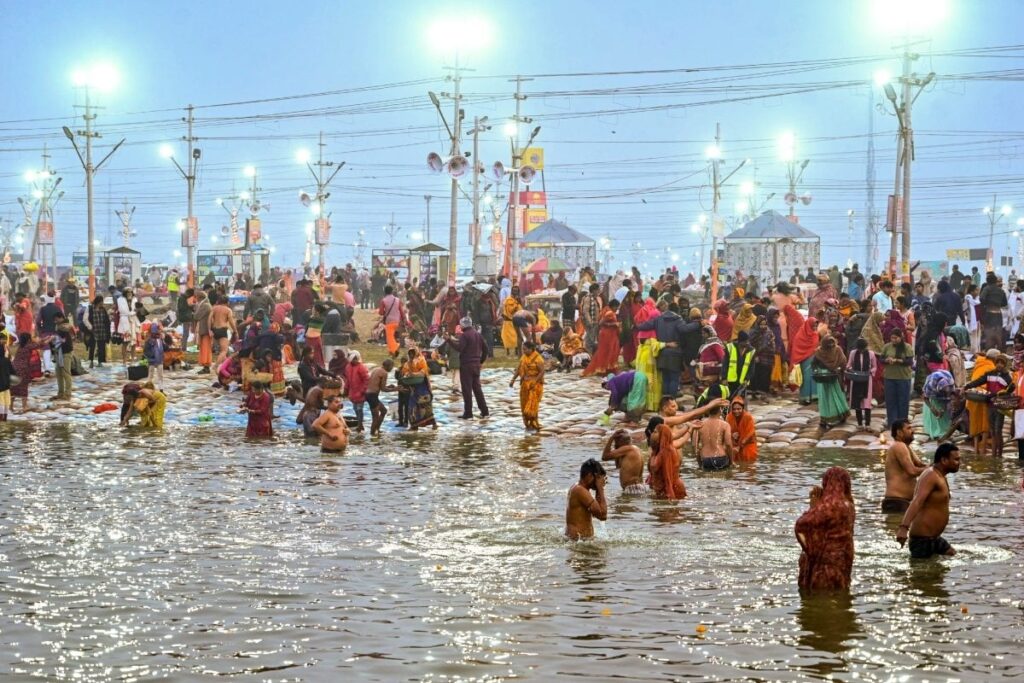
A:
(193, 554)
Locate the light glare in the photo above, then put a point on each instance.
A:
(302, 156)
(166, 151)
(102, 76)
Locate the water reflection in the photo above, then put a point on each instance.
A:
(124, 554)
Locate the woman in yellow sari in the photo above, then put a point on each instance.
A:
(509, 308)
(531, 384)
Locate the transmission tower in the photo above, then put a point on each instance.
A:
(125, 215)
(391, 230)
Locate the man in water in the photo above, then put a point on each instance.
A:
(583, 507)
(378, 383)
(714, 442)
(628, 460)
(682, 424)
(472, 350)
(928, 514)
(902, 468)
(332, 429)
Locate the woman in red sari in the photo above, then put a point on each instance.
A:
(627, 331)
(723, 321)
(825, 533)
(259, 405)
(606, 358)
(664, 463)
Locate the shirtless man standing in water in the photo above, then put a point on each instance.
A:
(902, 468)
(928, 514)
(222, 324)
(332, 429)
(628, 460)
(583, 507)
(714, 442)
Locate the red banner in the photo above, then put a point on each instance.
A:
(322, 229)
(44, 233)
(253, 230)
(190, 232)
(532, 198)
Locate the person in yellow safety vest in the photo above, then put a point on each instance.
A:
(711, 393)
(173, 287)
(736, 365)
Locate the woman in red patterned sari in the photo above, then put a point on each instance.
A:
(606, 358)
(825, 533)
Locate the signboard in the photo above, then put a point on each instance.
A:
(44, 233)
(532, 198)
(497, 241)
(218, 264)
(534, 156)
(322, 231)
(937, 269)
(894, 214)
(958, 254)
(80, 265)
(1005, 261)
(189, 232)
(535, 218)
(474, 233)
(519, 221)
(253, 230)
(391, 260)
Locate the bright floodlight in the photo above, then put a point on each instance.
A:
(166, 151)
(309, 229)
(694, 228)
(101, 76)
(176, 253)
(249, 171)
(38, 194)
(30, 176)
(742, 207)
(987, 210)
(219, 201)
(244, 196)
(417, 236)
(302, 156)
(713, 152)
(882, 77)
(511, 128)
(787, 146)
(462, 34)
(1020, 221)
(1006, 210)
(746, 188)
(702, 219)
(315, 209)
(908, 17)
(488, 199)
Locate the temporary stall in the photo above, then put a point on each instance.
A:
(556, 240)
(770, 247)
(120, 264)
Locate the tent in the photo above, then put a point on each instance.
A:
(555, 240)
(770, 247)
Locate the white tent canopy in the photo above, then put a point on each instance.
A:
(770, 247)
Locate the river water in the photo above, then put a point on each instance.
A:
(439, 557)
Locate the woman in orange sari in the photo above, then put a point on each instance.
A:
(664, 463)
(606, 358)
(531, 384)
(744, 432)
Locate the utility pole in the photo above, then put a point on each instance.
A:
(89, 116)
(515, 229)
(899, 214)
(994, 214)
(476, 188)
(125, 215)
(44, 187)
(427, 199)
(871, 241)
(453, 227)
(321, 230)
(190, 227)
(391, 230)
(717, 183)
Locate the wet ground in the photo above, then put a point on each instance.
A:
(194, 553)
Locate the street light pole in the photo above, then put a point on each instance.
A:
(321, 194)
(717, 183)
(90, 170)
(453, 227)
(427, 199)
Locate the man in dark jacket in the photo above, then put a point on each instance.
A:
(186, 316)
(472, 353)
(668, 329)
(302, 301)
(259, 300)
(69, 296)
(948, 302)
(486, 315)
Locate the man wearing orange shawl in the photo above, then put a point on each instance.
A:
(825, 533)
(203, 333)
(804, 343)
(663, 465)
(723, 322)
(606, 358)
(744, 432)
(531, 385)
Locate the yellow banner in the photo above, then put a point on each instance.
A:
(534, 156)
(535, 217)
(958, 254)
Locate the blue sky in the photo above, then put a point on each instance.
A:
(633, 176)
